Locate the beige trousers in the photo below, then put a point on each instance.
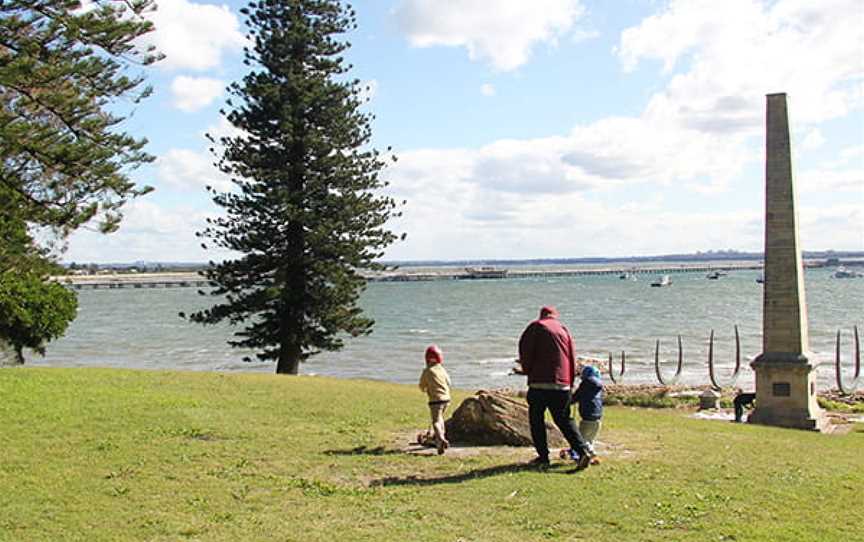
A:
(589, 430)
(436, 411)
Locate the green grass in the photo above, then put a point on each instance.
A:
(89, 454)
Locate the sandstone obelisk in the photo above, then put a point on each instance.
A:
(785, 376)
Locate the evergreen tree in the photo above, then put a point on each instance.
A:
(60, 67)
(305, 213)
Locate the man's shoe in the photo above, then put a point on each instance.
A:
(583, 461)
(541, 462)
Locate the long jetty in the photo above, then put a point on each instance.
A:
(401, 275)
(192, 279)
(132, 280)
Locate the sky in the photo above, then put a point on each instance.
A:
(542, 129)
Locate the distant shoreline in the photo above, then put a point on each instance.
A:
(846, 257)
(116, 278)
(407, 274)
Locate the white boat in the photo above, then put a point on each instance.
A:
(843, 273)
(662, 281)
(485, 272)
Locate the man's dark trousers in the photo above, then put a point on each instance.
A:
(558, 403)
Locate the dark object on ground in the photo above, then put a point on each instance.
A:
(743, 400)
(540, 462)
(583, 462)
(491, 418)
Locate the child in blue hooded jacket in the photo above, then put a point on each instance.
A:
(589, 396)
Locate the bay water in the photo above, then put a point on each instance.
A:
(477, 324)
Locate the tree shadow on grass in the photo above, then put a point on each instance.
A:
(476, 474)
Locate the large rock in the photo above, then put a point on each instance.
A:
(492, 418)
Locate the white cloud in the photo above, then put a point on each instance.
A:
(193, 36)
(835, 180)
(457, 206)
(487, 89)
(731, 57)
(185, 169)
(503, 34)
(566, 196)
(194, 93)
(813, 140)
(833, 227)
(850, 154)
(149, 232)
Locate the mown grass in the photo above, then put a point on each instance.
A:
(89, 454)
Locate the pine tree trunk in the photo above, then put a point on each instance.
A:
(289, 360)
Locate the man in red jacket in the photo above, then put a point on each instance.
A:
(548, 358)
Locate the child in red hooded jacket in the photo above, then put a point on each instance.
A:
(436, 383)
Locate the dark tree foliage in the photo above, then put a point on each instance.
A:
(33, 312)
(60, 67)
(63, 162)
(305, 213)
(18, 251)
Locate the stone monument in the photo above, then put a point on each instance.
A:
(785, 376)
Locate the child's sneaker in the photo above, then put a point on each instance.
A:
(568, 453)
(442, 445)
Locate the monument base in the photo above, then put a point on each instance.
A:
(786, 392)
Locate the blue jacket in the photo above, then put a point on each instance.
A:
(589, 394)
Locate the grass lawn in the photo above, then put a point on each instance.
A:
(93, 454)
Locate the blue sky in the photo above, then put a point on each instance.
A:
(542, 129)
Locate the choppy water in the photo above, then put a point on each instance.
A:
(477, 324)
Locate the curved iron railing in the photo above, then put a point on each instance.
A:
(856, 380)
(715, 383)
(620, 378)
(677, 376)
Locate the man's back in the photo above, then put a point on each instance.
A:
(547, 354)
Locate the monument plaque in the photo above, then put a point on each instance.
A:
(785, 376)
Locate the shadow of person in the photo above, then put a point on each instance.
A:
(413, 480)
(365, 450)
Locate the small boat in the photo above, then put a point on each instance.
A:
(843, 273)
(624, 276)
(485, 272)
(662, 281)
(760, 279)
(714, 275)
